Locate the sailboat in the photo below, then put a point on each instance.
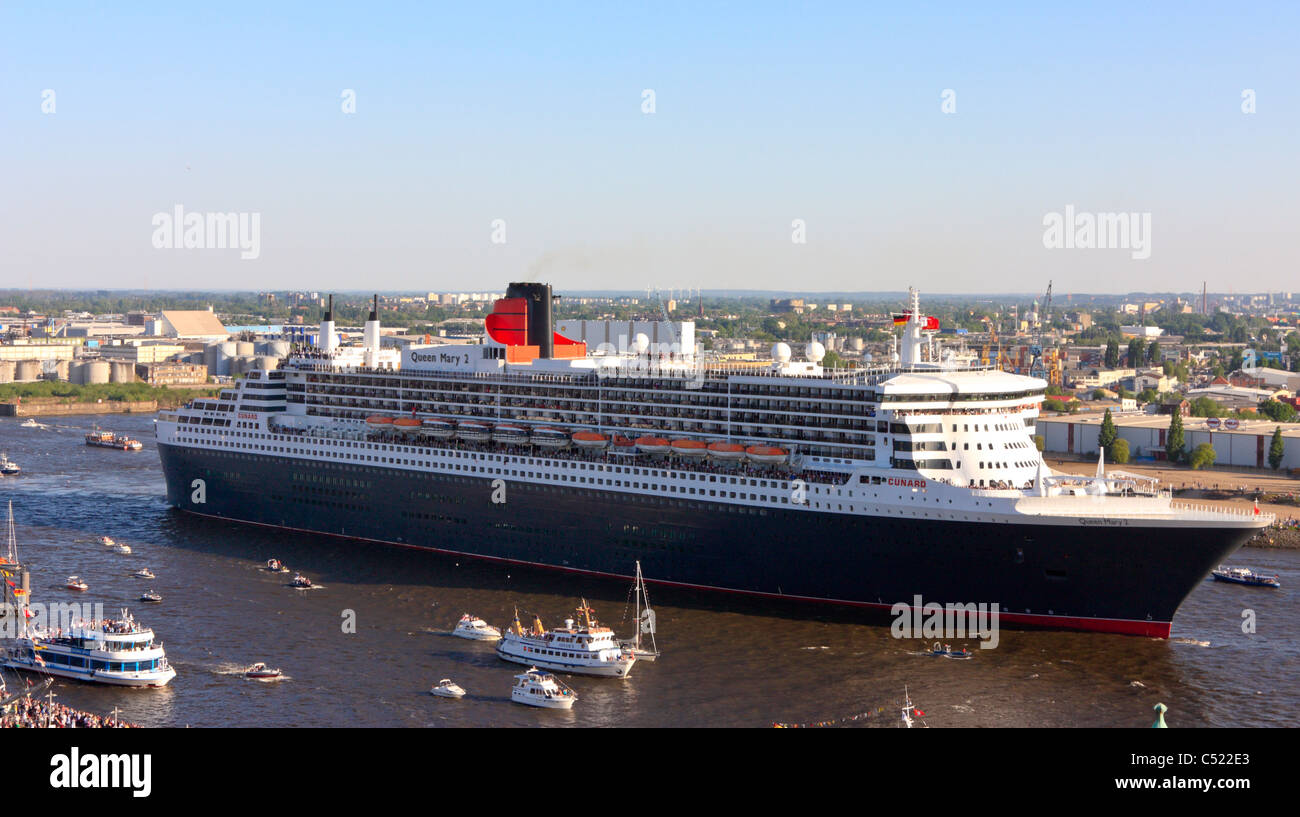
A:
(645, 623)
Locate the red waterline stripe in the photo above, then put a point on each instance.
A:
(1122, 626)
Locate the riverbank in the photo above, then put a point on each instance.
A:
(55, 398)
(59, 409)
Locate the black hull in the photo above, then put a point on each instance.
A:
(1124, 580)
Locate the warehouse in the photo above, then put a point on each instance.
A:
(1244, 446)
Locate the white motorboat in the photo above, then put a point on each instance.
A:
(75, 583)
(107, 541)
(144, 573)
(261, 672)
(476, 629)
(300, 581)
(447, 689)
(541, 689)
(125, 550)
(151, 597)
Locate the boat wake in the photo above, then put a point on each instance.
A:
(1194, 642)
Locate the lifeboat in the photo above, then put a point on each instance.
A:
(376, 420)
(766, 454)
(690, 448)
(441, 429)
(473, 431)
(590, 439)
(727, 451)
(653, 445)
(510, 434)
(622, 445)
(550, 438)
(408, 425)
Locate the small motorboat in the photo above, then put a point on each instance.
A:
(8, 467)
(125, 550)
(151, 597)
(300, 581)
(476, 629)
(75, 583)
(30, 422)
(447, 689)
(946, 651)
(276, 566)
(261, 671)
(541, 689)
(144, 573)
(107, 541)
(1244, 575)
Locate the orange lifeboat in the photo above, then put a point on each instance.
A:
(766, 454)
(379, 420)
(727, 451)
(622, 445)
(690, 448)
(590, 439)
(407, 425)
(653, 445)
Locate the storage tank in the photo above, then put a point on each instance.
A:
(225, 352)
(122, 372)
(28, 370)
(97, 372)
(7, 368)
(278, 348)
(245, 348)
(267, 362)
(61, 369)
(210, 357)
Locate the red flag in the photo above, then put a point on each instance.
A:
(1256, 506)
(920, 714)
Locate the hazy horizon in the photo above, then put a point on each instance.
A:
(529, 123)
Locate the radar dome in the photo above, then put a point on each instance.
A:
(815, 352)
(640, 343)
(781, 352)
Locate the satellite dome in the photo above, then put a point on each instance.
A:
(781, 352)
(815, 352)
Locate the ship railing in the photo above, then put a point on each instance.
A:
(1212, 511)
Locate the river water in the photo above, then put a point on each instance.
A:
(727, 661)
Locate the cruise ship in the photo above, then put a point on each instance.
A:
(866, 487)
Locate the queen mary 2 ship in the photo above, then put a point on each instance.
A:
(866, 487)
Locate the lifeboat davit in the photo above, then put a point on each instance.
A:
(509, 434)
(590, 439)
(653, 445)
(379, 420)
(473, 431)
(442, 429)
(407, 425)
(690, 448)
(766, 454)
(727, 451)
(550, 438)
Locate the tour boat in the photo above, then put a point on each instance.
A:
(1244, 575)
(590, 440)
(144, 573)
(75, 583)
(653, 445)
(120, 652)
(300, 581)
(476, 629)
(8, 467)
(542, 689)
(107, 439)
(151, 597)
(446, 689)
(261, 671)
(550, 438)
(589, 649)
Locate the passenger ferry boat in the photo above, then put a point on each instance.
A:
(1244, 575)
(107, 439)
(864, 487)
(589, 649)
(542, 689)
(118, 651)
(9, 468)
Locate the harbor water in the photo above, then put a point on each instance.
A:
(728, 661)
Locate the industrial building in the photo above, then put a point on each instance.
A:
(1245, 446)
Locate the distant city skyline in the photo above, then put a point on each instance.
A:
(832, 149)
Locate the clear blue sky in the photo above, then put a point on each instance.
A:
(765, 113)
